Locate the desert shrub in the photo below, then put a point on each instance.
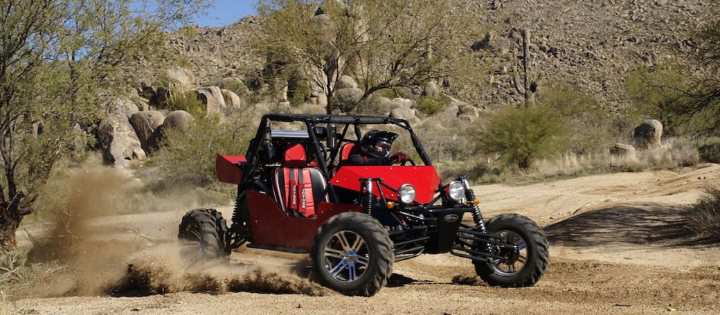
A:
(17, 275)
(704, 216)
(187, 101)
(590, 124)
(298, 91)
(389, 93)
(373, 105)
(674, 153)
(710, 150)
(520, 136)
(235, 85)
(665, 93)
(188, 157)
(432, 105)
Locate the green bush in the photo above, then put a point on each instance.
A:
(298, 92)
(591, 124)
(188, 157)
(432, 105)
(187, 101)
(664, 92)
(235, 85)
(710, 150)
(704, 216)
(520, 136)
(374, 105)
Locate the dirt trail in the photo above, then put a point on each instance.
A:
(619, 245)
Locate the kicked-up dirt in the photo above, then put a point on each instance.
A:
(619, 244)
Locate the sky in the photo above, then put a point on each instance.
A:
(225, 12)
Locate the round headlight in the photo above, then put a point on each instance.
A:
(456, 191)
(407, 193)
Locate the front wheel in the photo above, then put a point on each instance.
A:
(527, 253)
(353, 254)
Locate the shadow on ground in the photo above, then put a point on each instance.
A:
(646, 223)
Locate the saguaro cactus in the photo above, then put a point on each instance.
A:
(528, 84)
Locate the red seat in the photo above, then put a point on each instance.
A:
(298, 187)
(345, 152)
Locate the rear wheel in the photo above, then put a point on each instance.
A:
(202, 233)
(353, 254)
(527, 259)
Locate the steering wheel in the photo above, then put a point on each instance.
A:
(406, 162)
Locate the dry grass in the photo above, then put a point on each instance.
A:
(673, 154)
(704, 216)
(17, 276)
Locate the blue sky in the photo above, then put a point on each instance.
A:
(225, 12)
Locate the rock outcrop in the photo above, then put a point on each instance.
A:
(212, 98)
(648, 134)
(144, 123)
(118, 140)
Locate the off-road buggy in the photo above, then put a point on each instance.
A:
(296, 193)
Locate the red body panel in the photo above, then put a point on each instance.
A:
(271, 226)
(229, 168)
(424, 178)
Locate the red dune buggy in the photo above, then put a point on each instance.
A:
(296, 193)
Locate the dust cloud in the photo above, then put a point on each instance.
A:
(100, 256)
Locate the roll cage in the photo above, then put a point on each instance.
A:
(328, 152)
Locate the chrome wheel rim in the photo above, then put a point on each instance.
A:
(517, 256)
(346, 256)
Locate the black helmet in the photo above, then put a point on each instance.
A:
(377, 143)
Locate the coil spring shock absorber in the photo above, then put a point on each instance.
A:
(368, 195)
(476, 214)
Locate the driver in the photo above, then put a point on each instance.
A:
(375, 150)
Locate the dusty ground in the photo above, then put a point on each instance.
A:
(619, 245)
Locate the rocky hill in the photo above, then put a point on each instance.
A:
(593, 44)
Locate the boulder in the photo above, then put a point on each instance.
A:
(181, 77)
(648, 134)
(213, 99)
(231, 99)
(144, 123)
(162, 96)
(431, 89)
(623, 150)
(116, 135)
(404, 113)
(484, 43)
(347, 99)
(178, 119)
(318, 98)
(449, 113)
(146, 91)
(346, 82)
(281, 91)
(467, 112)
(400, 102)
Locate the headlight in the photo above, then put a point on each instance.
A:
(456, 191)
(407, 193)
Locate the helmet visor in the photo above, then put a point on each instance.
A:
(382, 147)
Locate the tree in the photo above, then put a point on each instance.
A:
(59, 59)
(700, 101)
(522, 135)
(383, 44)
